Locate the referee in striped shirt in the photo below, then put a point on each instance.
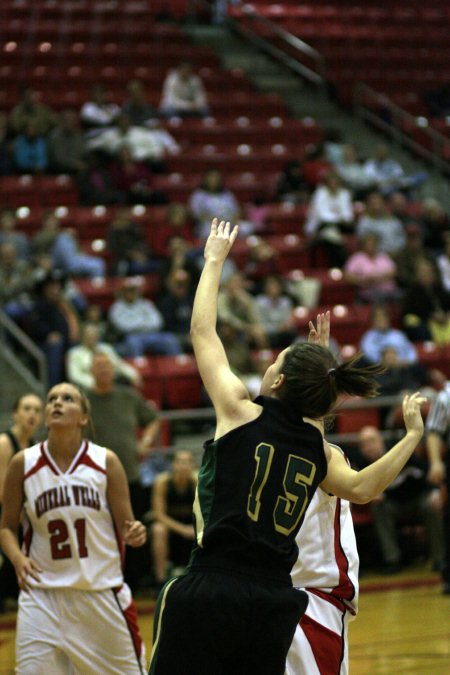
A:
(438, 448)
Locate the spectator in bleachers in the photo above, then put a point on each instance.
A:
(410, 499)
(175, 304)
(381, 335)
(30, 151)
(30, 110)
(399, 377)
(372, 272)
(181, 254)
(276, 313)
(128, 246)
(435, 224)
(376, 219)
(292, 187)
(67, 145)
(316, 165)
(353, 174)
(43, 241)
(145, 144)
(257, 212)
(138, 110)
(178, 222)
(53, 324)
(16, 283)
(426, 306)
(443, 263)
(98, 112)
(388, 174)
(80, 357)
(63, 248)
(131, 436)
(260, 262)
(211, 197)
(183, 93)
(140, 324)
(330, 217)
(398, 205)
(407, 258)
(135, 179)
(9, 233)
(172, 529)
(95, 183)
(67, 255)
(333, 144)
(95, 316)
(238, 307)
(6, 162)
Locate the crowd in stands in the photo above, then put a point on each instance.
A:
(361, 214)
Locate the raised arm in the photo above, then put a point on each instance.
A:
(361, 487)
(224, 388)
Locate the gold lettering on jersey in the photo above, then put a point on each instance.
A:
(52, 499)
(86, 496)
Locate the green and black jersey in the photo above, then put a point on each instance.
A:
(254, 486)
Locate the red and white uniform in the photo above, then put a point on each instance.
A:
(80, 617)
(327, 568)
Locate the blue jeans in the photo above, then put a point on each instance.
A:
(137, 344)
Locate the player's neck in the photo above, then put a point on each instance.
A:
(64, 446)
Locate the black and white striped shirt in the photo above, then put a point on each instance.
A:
(438, 419)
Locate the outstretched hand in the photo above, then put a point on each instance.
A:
(221, 239)
(411, 413)
(320, 335)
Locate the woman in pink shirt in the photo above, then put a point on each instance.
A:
(372, 272)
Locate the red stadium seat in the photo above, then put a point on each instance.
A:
(182, 383)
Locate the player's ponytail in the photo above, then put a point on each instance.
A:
(313, 379)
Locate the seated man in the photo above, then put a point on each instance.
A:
(172, 529)
(80, 358)
(410, 498)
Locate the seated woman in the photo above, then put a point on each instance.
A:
(135, 179)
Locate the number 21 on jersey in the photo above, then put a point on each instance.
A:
(290, 506)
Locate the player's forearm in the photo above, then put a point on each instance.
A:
(204, 312)
(10, 544)
(434, 447)
(376, 477)
(170, 523)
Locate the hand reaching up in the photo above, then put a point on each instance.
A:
(221, 239)
(320, 335)
(411, 413)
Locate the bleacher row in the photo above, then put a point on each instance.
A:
(399, 50)
(173, 382)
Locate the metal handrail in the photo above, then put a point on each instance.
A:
(317, 76)
(8, 326)
(393, 127)
(207, 414)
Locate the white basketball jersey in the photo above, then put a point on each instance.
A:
(328, 558)
(68, 528)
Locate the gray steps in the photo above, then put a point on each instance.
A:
(303, 100)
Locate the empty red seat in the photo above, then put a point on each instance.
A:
(182, 383)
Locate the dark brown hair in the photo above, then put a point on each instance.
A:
(314, 379)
